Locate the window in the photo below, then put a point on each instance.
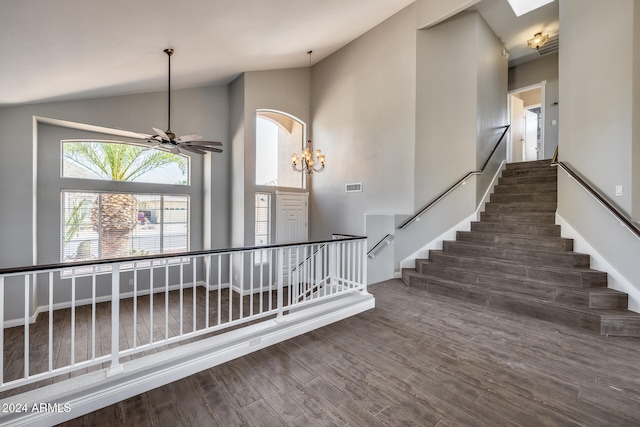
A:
(113, 225)
(116, 161)
(99, 224)
(278, 136)
(262, 226)
(263, 219)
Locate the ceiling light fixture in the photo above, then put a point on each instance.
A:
(305, 162)
(538, 40)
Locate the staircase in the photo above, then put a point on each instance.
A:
(514, 259)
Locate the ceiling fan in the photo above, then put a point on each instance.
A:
(168, 140)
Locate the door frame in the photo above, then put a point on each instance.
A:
(542, 86)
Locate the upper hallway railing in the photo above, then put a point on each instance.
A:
(624, 220)
(103, 313)
(462, 180)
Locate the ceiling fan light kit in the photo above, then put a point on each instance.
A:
(168, 140)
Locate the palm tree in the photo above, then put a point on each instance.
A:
(115, 215)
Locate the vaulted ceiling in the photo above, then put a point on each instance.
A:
(72, 49)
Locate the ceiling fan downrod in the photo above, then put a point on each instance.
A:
(170, 134)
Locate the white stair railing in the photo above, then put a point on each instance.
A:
(102, 314)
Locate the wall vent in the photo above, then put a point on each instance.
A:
(351, 188)
(551, 46)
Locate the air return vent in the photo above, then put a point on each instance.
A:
(351, 188)
(551, 46)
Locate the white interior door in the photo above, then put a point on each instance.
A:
(517, 129)
(291, 217)
(530, 136)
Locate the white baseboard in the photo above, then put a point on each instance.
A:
(615, 280)
(450, 234)
(105, 298)
(436, 244)
(96, 390)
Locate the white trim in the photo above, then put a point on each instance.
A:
(543, 88)
(96, 390)
(615, 280)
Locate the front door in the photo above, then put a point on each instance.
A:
(291, 217)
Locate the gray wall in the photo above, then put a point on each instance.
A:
(202, 110)
(598, 110)
(281, 90)
(596, 90)
(635, 195)
(364, 121)
(460, 108)
(533, 72)
(406, 112)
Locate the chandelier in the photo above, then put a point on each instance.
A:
(305, 162)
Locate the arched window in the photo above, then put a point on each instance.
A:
(278, 136)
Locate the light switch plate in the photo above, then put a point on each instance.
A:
(618, 190)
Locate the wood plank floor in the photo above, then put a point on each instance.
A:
(416, 359)
(165, 323)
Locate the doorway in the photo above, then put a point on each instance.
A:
(526, 111)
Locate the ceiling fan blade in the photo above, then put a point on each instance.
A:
(139, 135)
(193, 149)
(210, 143)
(161, 134)
(190, 137)
(203, 147)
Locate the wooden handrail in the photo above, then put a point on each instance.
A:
(457, 184)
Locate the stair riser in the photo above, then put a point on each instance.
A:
(585, 297)
(540, 179)
(506, 240)
(553, 314)
(521, 173)
(524, 188)
(520, 217)
(593, 300)
(523, 197)
(538, 164)
(563, 259)
(532, 289)
(621, 328)
(521, 207)
(513, 228)
(561, 277)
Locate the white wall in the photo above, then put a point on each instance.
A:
(534, 72)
